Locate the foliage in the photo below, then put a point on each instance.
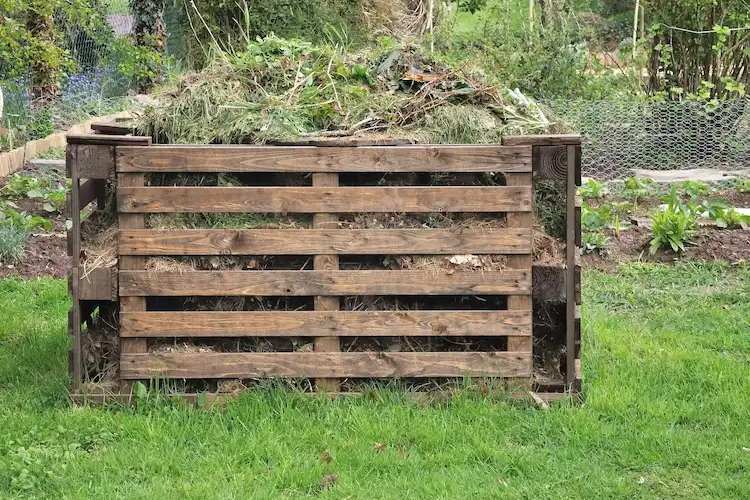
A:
(742, 185)
(31, 42)
(672, 227)
(232, 24)
(281, 89)
(12, 243)
(144, 59)
(595, 218)
(695, 189)
(137, 65)
(11, 216)
(592, 189)
(547, 58)
(50, 191)
(594, 242)
(705, 57)
(637, 187)
(724, 215)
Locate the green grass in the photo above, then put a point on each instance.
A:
(667, 415)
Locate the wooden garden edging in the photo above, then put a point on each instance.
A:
(92, 159)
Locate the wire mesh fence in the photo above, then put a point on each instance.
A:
(619, 136)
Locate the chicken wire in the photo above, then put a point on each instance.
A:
(619, 136)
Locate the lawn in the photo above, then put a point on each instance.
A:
(666, 414)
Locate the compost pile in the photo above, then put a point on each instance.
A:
(279, 91)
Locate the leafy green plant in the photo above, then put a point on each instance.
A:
(695, 189)
(742, 185)
(12, 243)
(9, 215)
(46, 189)
(635, 188)
(594, 242)
(672, 227)
(724, 215)
(595, 219)
(592, 189)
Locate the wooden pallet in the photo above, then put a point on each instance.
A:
(131, 160)
(325, 242)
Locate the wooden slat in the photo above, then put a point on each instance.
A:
(326, 262)
(131, 304)
(325, 365)
(542, 140)
(324, 241)
(131, 140)
(88, 192)
(491, 158)
(98, 284)
(570, 263)
(322, 323)
(310, 283)
(324, 199)
(520, 302)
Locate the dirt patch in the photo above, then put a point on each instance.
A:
(710, 244)
(45, 255)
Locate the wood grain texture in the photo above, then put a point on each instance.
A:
(110, 140)
(520, 302)
(323, 199)
(490, 158)
(570, 263)
(325, 323)
(326, 262)
(541, 140)
(324, 241)
(310, 283)
(98, 284)
(325, 365)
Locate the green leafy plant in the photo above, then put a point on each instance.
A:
(672, 227)
(9, 215)
(594, 242)
(595, 219)
(724, 215)
(45, 189)
(695, 189)
(635, 188)
(742, 185)
(592, 189)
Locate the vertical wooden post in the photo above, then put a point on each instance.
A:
(570, 271)
(74, 318)
(326, 263)
(522, 302)
(131, 304)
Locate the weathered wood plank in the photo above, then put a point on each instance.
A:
(325, 365)
(570, 263)
(131, 304)
(324, 199)
(324, 241)
(110, 140)
(326, 262)
(310, 283)
(98, 284)
(325, 323)
(542, 140)
(489, 158)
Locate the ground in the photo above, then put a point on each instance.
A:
(666, 415)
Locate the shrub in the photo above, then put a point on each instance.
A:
(672, 228)
(12, 243)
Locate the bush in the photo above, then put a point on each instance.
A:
(594, 242)
(12, 243)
